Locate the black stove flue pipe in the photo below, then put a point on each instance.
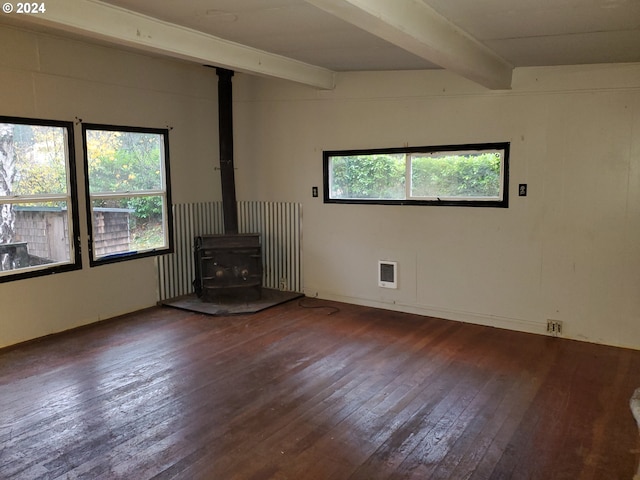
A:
(225, 129)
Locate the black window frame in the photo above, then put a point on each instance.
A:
(75, 257)
(500, 203)
(129, 255)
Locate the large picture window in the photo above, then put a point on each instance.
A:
(128, 201)
(38, 209)
(462, 175)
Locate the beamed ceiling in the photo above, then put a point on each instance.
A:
(307, 41)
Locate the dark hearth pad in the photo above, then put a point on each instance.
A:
(270, 297)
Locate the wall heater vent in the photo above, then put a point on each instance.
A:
(387, 274)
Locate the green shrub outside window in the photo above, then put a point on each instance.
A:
(471, 175)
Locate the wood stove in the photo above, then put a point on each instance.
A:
(228, 267)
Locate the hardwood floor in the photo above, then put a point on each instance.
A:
(338, 392)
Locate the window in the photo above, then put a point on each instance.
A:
(38, 209)
(128, 201)
(462, 175)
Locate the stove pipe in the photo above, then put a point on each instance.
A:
(225, 129)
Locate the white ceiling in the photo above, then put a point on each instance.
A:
(523, 32)
(292, 28)
(479, 39)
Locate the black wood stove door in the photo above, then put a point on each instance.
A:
(228, 267)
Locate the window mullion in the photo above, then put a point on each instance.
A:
(17, 199)
(121, 195)
(407, 179)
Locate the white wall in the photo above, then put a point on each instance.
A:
(42, 76)
(569, 251)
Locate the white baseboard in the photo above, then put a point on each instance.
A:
(497, 321)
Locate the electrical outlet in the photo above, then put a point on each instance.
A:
(522, 190)
(314, 191)
(554, 327)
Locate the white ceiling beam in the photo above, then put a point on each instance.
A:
(417, 28)
(116, 25)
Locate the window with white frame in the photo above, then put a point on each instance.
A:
(128, 200)
(38, 198)
(458, 175)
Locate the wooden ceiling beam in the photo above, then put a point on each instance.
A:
(417, 28)
(94, 19)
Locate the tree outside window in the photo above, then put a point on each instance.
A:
(127, 181)
(38, 214)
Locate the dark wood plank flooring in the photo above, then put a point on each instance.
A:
(338, 392)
